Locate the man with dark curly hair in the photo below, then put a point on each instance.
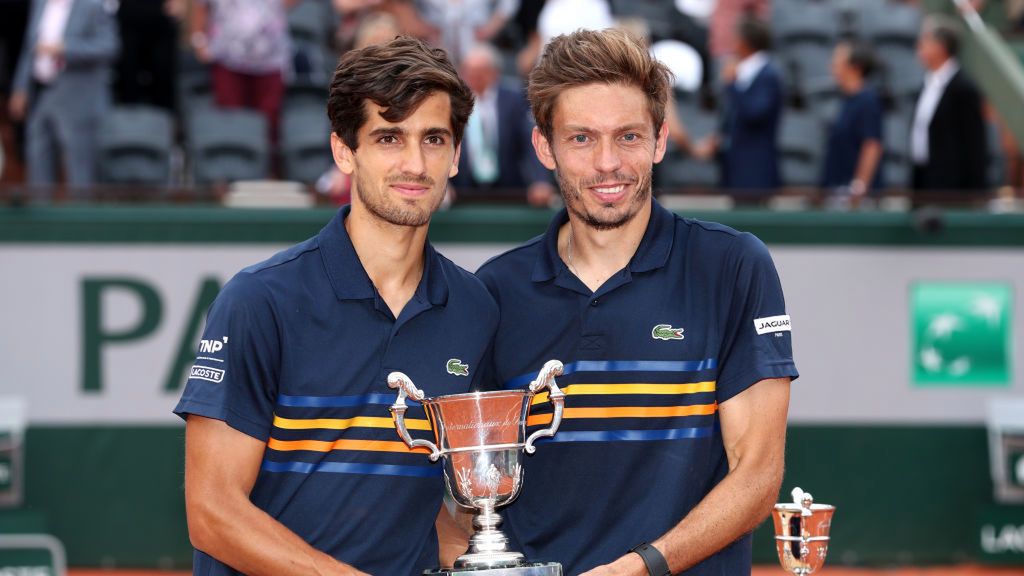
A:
(292, 462)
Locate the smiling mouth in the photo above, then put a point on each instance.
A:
(609, 190)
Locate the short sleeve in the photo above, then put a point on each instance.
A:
(870, 123)
(757, 338)
(234, 377)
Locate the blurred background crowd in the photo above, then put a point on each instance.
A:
(844, 103)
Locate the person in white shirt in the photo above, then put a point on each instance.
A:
(948, 147)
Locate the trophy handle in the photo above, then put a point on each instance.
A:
(407, 388)
(546, 379)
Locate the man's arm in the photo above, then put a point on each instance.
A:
(754, 434)
(221, 465)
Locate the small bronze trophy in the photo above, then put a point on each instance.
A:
(801, 533)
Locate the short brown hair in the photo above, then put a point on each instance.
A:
(609, 56)
(396, 76)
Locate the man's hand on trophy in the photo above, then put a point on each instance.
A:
(629, 565)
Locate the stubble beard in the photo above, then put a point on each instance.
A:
(400, 212)
(573, 196)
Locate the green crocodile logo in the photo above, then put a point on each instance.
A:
(666, 332)
(457, 368)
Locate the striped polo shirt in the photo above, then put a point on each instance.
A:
(696, 317)
(296, 353)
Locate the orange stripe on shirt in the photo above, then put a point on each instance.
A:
(628, 412)
(341, 444)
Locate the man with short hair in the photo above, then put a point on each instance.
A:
(292, 462)
(673, 332)
(853, 151)
(948, 146)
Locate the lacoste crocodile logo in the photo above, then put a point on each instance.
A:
(666, 332)
(457, 368)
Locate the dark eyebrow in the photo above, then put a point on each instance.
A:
(387, 131)
(437, 132)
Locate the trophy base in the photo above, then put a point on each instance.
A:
(530, 569)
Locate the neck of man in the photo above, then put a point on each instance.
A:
(392, 255)
(596, 255)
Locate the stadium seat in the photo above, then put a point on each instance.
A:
(310, 21)
(903, 73)
(661, 17)
(309, 25)
(800, 147)
(227, 145)
(678, 171)
(893, 23)
(798, 22)
(896, 142)
(811, 64)
(305, 143)
(823, 99)
(135, 145)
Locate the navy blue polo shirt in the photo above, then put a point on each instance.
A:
(859, 120)
(296, 353)
(694, 319)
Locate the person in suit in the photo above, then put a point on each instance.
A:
(498, 153)
(948, 146)
(747, 147)
(62, 87)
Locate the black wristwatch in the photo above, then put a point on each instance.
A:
(655, 562)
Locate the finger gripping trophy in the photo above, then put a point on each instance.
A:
(481, 436)
(801, 533)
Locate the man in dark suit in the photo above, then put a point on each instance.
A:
(62, 85)
(948, 146)
(747, 149)
(497, 153)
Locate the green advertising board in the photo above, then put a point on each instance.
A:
(962, 333)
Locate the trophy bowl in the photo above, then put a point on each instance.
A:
(481, 436)
(801, 533)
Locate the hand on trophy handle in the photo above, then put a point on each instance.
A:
(406, 388)
(546, 379)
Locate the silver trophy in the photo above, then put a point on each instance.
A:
(801, 533)
(482, 436)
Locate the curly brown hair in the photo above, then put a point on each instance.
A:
(397, 76)
(611, 56)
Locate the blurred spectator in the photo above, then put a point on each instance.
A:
(62, 86)
(462, 24)
(374, 28)
(562, 17)
(246, 42)
(722, 37)
(747, 148)
(354, 16)
(854, 148)
(497, 151)
(146, 68)
(948, 145)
